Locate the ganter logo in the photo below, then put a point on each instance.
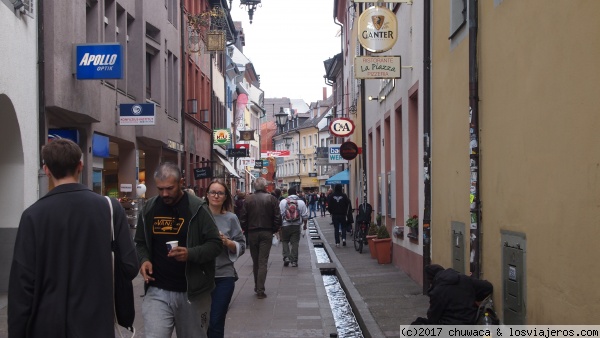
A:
(378, 29)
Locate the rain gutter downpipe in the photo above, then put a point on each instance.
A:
(42, 178)
(475, 212)
(183, 96)
(426, 140)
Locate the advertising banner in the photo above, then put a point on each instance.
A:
(221, 136)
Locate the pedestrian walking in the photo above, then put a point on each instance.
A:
(61, 278)
(323, 204)
(179, 280)
(294, 214)
(234, 244)
(262, 218)
(312, 204)
(338, 206)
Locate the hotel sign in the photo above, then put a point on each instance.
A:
(378, 29)
(377, 67)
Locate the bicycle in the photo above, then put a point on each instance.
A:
(360, 235)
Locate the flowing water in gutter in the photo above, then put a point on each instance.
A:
(345, 321)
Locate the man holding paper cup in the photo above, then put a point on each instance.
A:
(177, 242)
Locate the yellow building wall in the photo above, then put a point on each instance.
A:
(540, 164)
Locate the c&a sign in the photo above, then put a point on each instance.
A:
(341, 127)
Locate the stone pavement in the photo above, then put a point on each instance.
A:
(382, 296)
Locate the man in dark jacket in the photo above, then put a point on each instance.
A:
(453, 297)
(179, 280)
(262, 218)
(61, 276)
(338, 205)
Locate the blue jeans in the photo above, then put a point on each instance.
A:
(221, 297)
(165, 310)
(339, 224)
(312, 209)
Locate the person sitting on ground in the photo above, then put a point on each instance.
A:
(453, 297)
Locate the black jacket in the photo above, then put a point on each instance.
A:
(452, 298)
(61, 275)
(338, 204)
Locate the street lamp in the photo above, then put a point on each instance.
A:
(281, 118)
(250, 6)
(288, 141)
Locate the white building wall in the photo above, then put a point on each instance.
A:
(19, 130)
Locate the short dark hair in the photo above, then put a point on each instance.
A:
(62, 157)
(292, 191)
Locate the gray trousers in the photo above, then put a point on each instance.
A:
(260, 247)
(290, 237)
(165, 310)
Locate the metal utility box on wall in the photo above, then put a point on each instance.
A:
(514, 249)
(458, 246)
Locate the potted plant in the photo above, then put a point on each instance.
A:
(413, 224)
(383, 246)
(371, 234)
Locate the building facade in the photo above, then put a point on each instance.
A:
(19, 104)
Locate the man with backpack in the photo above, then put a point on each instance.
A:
(294, 213)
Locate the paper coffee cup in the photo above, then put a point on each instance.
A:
(172, 244)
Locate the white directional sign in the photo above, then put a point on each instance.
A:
(334, 154)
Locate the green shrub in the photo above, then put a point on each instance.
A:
(382, 233)
(372, 230)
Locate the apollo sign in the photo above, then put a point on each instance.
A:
(341, 127)
(98, 61)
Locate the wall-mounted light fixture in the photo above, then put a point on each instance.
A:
(17, 4)
(288, 141)
(204, 115)
(251, 6)
(377, 98)
(192, 106)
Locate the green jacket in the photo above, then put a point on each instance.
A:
(203, 243)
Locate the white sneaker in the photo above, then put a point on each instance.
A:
(337, 245)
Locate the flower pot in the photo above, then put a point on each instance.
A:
(371, 245)
(383, 247)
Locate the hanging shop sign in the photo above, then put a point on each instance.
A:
(276, 153)
(237, 152)
(341, 127)
(137, 114)
(377, 67)
(378, 29)
(221, 136)
(394, 1)
(98, 61)
(334, 154)
(246, 135)
(258, 164)
(200, 173)
(348, 150)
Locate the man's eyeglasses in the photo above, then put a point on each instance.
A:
(216, 193)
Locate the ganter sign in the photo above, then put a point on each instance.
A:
(378, 29)
(377, 67)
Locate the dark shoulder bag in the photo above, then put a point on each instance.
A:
(123, 287)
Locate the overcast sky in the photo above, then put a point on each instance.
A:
(287, 43)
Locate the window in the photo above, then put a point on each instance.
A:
(149, 75)
(458, 15)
